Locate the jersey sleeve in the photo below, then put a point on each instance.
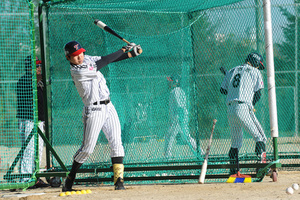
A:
(113, 57)
(224, 84)
(259, 82)
(95, 58)
(84, 74)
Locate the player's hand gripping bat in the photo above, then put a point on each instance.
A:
(204, 165)
(109, 30)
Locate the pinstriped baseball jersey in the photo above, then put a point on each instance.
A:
(241, 83)
(90, 83)
(92, 88)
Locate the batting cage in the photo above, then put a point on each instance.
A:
(184, 43)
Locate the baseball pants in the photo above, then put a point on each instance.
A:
(27, 165)
(242, 116)
(96, 118)
(176, 127)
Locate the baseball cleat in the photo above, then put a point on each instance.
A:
(55, 182)
(39, 184)
(119, 184)
(68, 185)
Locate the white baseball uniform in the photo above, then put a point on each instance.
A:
(26, 124)
(178, 121)
(241, 83)
(97, 115)
(27, 164)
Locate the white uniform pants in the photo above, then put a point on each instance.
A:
(27, 165)
(242, 116)
(177, 127)
(96, 118)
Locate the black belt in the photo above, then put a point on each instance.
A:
(102, 102)
(239, 102)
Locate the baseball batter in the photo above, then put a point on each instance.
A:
(242, 85)
(98, 112)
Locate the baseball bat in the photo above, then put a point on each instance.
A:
(204, 165)
(109, 30)
(223, 70)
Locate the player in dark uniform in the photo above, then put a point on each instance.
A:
(25, 117)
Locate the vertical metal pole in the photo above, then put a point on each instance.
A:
(45, 80)
(275, 149)
(34, 86)
(271, 74)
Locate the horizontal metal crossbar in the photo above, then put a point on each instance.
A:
(157, 178)
(180, 167)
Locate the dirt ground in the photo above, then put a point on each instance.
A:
(267, 189)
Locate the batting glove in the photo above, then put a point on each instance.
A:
(129, 46)
(137, 50)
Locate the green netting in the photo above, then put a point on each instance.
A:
(17, 99)
(191, 39)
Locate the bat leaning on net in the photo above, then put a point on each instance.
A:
(109, 30)
(204, 165)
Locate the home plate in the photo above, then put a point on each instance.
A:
(21, 195)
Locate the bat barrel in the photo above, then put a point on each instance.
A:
(108, 29)
(99, 23)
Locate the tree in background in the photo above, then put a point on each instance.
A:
(214, 47)
(287, 59)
